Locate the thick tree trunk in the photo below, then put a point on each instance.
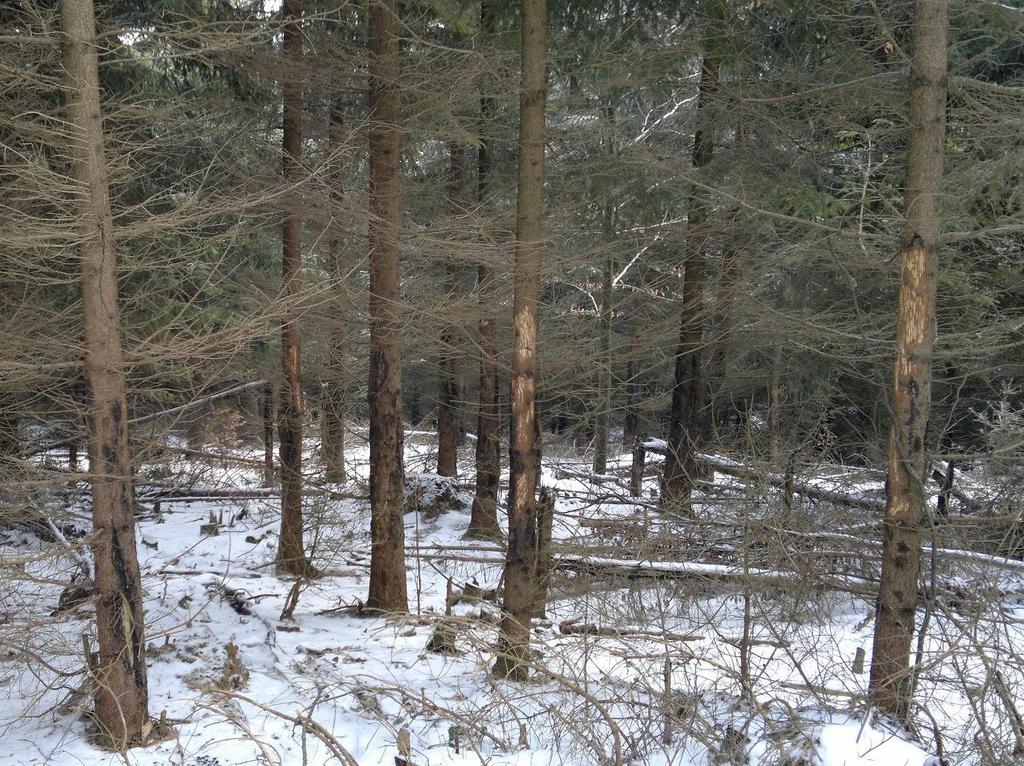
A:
(484, 519)
(119, 668)
(688, 394)
(890, 686)
(520, 571)
(267, 411)
(448, 379)
(291, 556)
(387, 475)
(334, 387)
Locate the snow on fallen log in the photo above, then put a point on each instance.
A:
(780, 481)
(573, 628)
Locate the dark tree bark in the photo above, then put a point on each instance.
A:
(635, 364)
(119, 668)
(545, 527)
(520, 570)
(724, 307)
(636, 469)
(688, 394)
(334, 387)
(387, 557)
(890, 686)
(484, 519)
(774, 406)
(267, 411)
(291, 555)
(604, 385)
(448, 379)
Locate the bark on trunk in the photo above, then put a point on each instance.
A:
(724, 307)
(545, 526)
(448, 379)
(291, 556)
(387, 531)
(688, 394)
(335, 386)
(890, 686)
(119, 668)
(774, 405)
(520, 572)
(636, 469)
(635, 365)
(267, 410)
(484, 519)
(604, 385)
(333, 427)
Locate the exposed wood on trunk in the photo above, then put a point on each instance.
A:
(520, 570)
(890, 685)
(334, 387)
(484, 519)
(688, 393)
(119, 669)
(387, 590)
(448, 378)
(291, 556)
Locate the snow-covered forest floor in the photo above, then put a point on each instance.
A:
(629, 667)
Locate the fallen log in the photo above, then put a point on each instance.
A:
(779, 481)
(570, 628)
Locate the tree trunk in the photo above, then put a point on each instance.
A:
(635, 364)
(890, 686)
(604, 386)
(119, 669)
(484, 519)
(688, 394)
(545, 527)
(333, 427)
(448, 379)
(291, 556)
(267, 409)
(520, 573)
(724, 308)
(387, 474)
(334, 388)
(774, 404)
(636, 469)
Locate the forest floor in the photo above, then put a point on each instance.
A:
(241, 685)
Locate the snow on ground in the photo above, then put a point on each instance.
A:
(327, 684)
